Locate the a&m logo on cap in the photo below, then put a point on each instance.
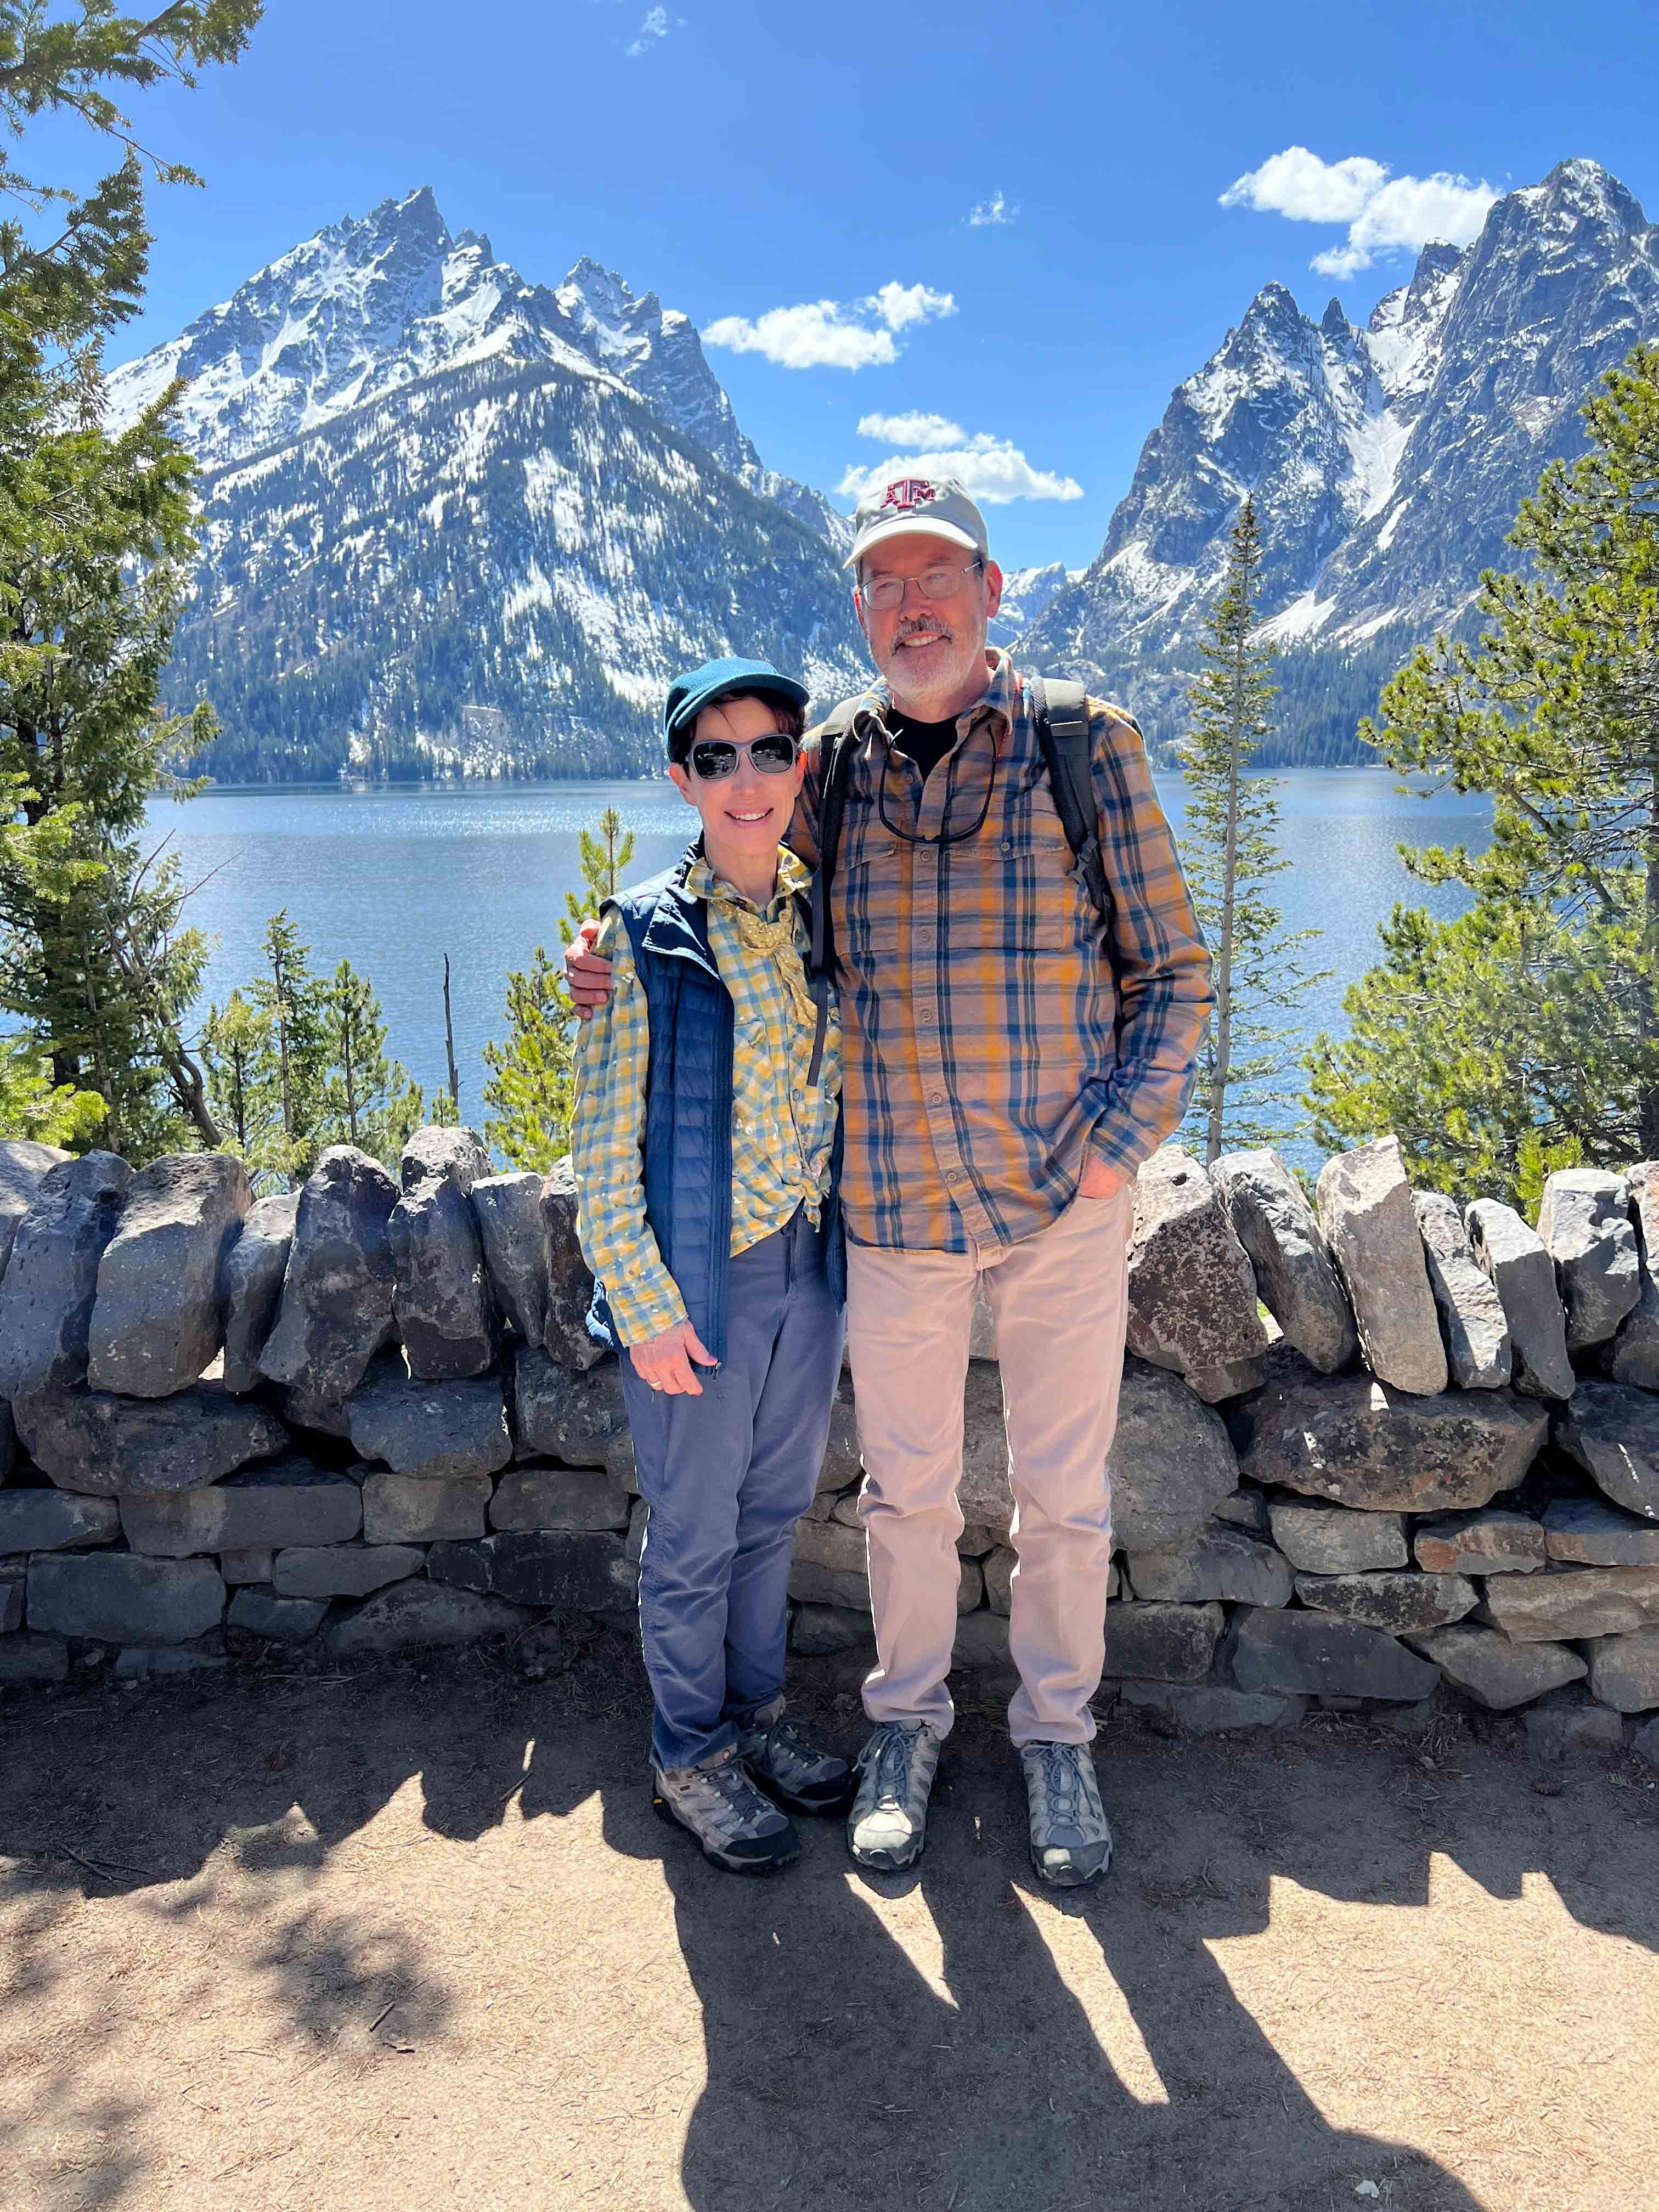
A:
(910, 491)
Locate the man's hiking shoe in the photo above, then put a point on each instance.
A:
(790, 1767)
(737, 1828)
(1071, 1843)
(888, 1824)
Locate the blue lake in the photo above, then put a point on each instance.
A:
(393, 877)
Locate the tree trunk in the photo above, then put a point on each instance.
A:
(449, 1046)
(1224, 986)
(1648, 1103)
(350, 1078)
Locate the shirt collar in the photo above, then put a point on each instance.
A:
(793, 877)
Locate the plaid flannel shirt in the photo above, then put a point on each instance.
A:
(782, 1129)
(990, 1033)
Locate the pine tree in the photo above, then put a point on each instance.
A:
(32, 1106)
(1527, 1032)
(243, 1089)
(291, 1000)
(532, 1077)
(1228, 854)
(368, 1099)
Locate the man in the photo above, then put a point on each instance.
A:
(1010, 1058)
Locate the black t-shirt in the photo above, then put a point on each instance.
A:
(927, 743)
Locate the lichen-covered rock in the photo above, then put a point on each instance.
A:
(1295, 1274)
(1612, 1432)
(1584, 1222)
(51, 1281)
(1311, 1654)
(1496, 1541)
(411, 1616)
(158, 1319)
(1478, 1343)
(830, 1566)
(407, 1508)
(578, 1571)
(1585, 1532)
(1211, 1708)
(250, 1285)
(1634, 1355)
(1393, 1601)
(1624, 1670)
(818, 1631)
(1564, 1603)
(569, 1283)
(1359, 1441)
(1170, 1465)
(513, 1233)
(440, 1294)
(120, 1598)
(437, 1431)
(1523, 1275)
(1151, 1641)
(1218, 1562)
(110, 1447)
(1192, 1290)
(336, 1309)
(558, 1498)
(1497, 1673)
(22, 1164)
(1364, 1208)
(1335, 1539)
(579, 1418)
(53, 1520)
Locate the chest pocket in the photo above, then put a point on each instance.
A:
(1011, 891)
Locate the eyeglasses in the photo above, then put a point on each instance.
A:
(712, 758)
(886, 592)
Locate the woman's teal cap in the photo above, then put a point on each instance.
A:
(718, 679)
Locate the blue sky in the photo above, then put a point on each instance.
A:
(743, 158)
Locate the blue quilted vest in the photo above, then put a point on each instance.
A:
(688, 1109)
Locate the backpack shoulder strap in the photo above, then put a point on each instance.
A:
(835, 765)
(1062, 727)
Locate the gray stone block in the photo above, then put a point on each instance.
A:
(13, 1583)
(137, 1664)
(1336, 1539)
(278, 1619)
(343, 1570)
(1211, 1708)
(405, 1508)
(120, 1598)
(23, 1165)
(441, 1296)
(415, 1615)
(1236, 1378)
(1565, 1603)
(569, 1570)
(336, 1309)
(1478, 1343)
(116, 1447)
(570, 1285)
(1391, 1601)
(7, 1441)
(980, 1646)
(1360, 1441)
(1612, 1432)
(1151, 1641)
(639, 1520)
(1497, 1673)
(1624, 1670)
(435, 1430)
(579, 1419)
(1569, 1723)
(33, 1658)
(1246, 1509)
(53, 1520)
(558, 1498)
(1295, 1274)
(513, 1233)
(1522, 1272)
(1586, 1533)
(1364, 1202)
(157, 1320)
(1192, 1289)
(250, 1285)
(1645, 1742)
(818, 1632)
(290, 1502)
(1634, 1355)
(1170, 1465)
(51, 1281)
(1584, 1222)
(1495, 1540)
(246, 1563)
(1219, 1562)
(1311, 1653)
(841, 1465)
(830, 1566)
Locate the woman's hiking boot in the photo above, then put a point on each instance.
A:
(737, 1828)
(790, 1767)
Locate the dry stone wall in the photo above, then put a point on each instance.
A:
(1371, 1448)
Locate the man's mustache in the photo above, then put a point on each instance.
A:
(924, 626)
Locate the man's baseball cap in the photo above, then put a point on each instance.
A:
(720, 679)
(937, 505)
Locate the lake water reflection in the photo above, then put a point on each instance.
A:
(394, 878)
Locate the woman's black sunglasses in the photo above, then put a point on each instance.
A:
(712, 758)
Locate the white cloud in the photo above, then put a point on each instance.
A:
(987, 467)
(923, 433)
(996, 210)
(824, 334)
(1381, 212)
(655, 27)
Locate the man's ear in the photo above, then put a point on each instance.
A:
(993, 589)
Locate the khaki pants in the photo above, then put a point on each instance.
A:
(1060, 1300)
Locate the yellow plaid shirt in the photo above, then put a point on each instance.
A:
(782, 1127)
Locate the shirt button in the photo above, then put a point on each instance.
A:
(1007, 844)
(936, 1098)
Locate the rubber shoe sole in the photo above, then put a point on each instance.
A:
(885, 1862)
(1068, 1877)
(768, 1857)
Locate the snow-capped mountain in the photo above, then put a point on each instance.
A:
(453, 517)
(1026, 593)
(1387, 464)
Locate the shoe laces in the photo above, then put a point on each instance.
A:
(895, 1750)
(1062, 1782)
(730, 1783)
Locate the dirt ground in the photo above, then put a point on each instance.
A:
(411, 1937)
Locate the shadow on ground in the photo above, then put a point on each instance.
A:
(954, 2038)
